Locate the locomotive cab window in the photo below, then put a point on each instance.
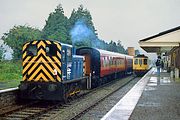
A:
(32, 50)
(51, 50)
(140, 61)
(145, 61)
(136, 61)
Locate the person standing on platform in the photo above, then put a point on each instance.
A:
(158, 65)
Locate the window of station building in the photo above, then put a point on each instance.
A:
(51, 50)
(32, 50)
(145, 61)
(136, 61)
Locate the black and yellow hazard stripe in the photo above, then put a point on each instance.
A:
(41, 66)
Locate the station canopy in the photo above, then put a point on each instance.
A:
(162, 42)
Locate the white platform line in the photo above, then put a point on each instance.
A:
(123, 109)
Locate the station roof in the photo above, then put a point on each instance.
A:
(162, 42)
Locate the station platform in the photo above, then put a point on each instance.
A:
(154, 97)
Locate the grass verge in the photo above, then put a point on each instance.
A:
(10, 74)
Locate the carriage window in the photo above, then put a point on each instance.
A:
(145, 61)
(136, 61)
(32, 50)
(121, 61)
(110, 61)
(51, 50)
(104, 64)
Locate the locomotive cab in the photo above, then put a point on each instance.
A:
(66, 61)
(72, 65)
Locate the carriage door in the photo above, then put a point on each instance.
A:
(87, 67)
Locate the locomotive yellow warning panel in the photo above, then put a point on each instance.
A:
(40, 59)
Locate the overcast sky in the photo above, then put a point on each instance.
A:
(125, 20)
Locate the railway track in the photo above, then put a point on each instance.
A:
(80, 106)
(99, 110)
(74, 109)
(86, 110)
(15, 107)
(26, 111)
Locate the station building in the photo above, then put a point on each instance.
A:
(167, 45)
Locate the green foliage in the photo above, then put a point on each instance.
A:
(83, 43)
(137, 52)
(1, 53)
(17, 36)
(10, 73)
(121, 48)
(112, 46)
(56, 26)
(82, 15)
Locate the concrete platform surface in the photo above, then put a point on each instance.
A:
(160, 99)
(123, 109)
(154, 97)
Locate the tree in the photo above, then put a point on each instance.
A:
(56, 26)
(82, 30)
(17, 36)
(1, 52)
(121, 48)
(116, 47)
(137, 52)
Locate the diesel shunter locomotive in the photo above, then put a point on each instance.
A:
(50, 71)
